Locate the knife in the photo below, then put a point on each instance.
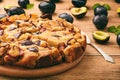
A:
(106, 56)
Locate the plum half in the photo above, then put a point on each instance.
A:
(101, 37)
(118, 11)
(79, 12)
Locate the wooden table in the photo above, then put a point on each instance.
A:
(92, 66)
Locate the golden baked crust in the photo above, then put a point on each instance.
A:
(32, 42)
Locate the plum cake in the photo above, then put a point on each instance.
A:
(32, 42)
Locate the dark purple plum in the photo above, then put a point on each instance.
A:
(47, 7)
(54, 0)
(66, 16)
(118, 39)
(15, 11)
(23, 3)
(79, 3)
(100, 10)
(100, 21)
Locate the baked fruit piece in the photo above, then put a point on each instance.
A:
(32, 42)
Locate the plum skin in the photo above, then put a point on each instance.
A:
(100, 10)
(66, 16)
(15, 11)
(54, 0)
(47, 7)
(118, 1)
(100, 21)
(79, 3)
(97, 37)
(118, 39)
(23, 3)
(102, 41)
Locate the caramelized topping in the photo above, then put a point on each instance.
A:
(12, 27)
(1, 32)
(56, 36)
(38, 42)
(14, 51)
(8, 59)
(61, 46)
(36, 33)
(2, 50)
(17, 35)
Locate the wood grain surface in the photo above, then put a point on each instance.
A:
(93, 66)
